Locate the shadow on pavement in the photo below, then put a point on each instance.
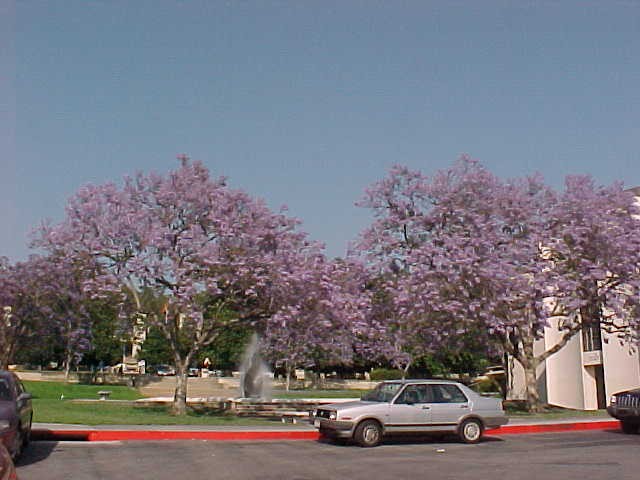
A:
(408, 440)
(35, 452)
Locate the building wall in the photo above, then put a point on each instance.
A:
(568, 378)
(565, 377)
(621, 365)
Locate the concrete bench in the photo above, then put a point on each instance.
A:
(104, 394)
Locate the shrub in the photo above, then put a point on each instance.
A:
(385, 374)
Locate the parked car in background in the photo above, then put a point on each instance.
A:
(411, 406)
(16, 413)
(7, 468)
(625, 406)
(164, 370)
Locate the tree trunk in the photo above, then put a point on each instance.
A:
(288, 378)
(8, 342)
(67, 366)
(405, 370)
(180, 395)
(529, 363)
(532, 397)
(5, 357)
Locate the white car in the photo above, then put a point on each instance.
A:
(411, 406)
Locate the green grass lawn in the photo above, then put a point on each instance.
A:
(52, 404)
(557, 413)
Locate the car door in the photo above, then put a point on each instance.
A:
(409, 411)
(448, 405)
(23, 404)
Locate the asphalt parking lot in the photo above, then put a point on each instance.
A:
(572, 455)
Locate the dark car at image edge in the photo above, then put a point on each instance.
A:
(7, 468)
(625, 406)
(16, 413)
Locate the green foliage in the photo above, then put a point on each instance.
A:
(378, 374)
(106, 335)
(447, 362)
(156, 349)
(486, 386)
(225, 352)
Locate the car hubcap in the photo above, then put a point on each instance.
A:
(370, 434)
(472, 431)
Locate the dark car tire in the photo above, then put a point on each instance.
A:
(26, 436)
(18, 440)
(368, 434)
(631, 428)
(471, 430)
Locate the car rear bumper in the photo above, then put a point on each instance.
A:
(495, 421)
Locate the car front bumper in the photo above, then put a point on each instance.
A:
(333, 428)
(624, 413)
(7, 437)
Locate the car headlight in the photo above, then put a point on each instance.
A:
(613, 400)
(333, 416)
(4, 424)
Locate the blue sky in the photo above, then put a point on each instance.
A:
(305, 103)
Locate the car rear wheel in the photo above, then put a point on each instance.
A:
(470, 431)
(368, 434)
(628, 427)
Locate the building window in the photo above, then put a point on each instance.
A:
(591, 337)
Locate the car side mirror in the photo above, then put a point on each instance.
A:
(25, 396)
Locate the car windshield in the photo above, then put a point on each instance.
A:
(382, 393)
(5, 391)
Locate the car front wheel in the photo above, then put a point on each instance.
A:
(628, 427)
(470, 431)
(16, 449)
(368, 434)
(26, 436)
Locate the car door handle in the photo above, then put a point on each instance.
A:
(464, 406)
(426, 407)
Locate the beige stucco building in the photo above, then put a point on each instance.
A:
(581, 375)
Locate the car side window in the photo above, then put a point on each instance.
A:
(409, 395)
(415, 394)
(447, 394)
(5, 391)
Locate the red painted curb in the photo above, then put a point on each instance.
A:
(106, 435)
(124, 435)
(554, 427)
(127, 435)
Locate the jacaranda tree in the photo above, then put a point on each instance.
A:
(217, 256)
(317, 329)
(44, 297)
(465, 249)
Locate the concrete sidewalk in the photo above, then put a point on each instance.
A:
(299, 431)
